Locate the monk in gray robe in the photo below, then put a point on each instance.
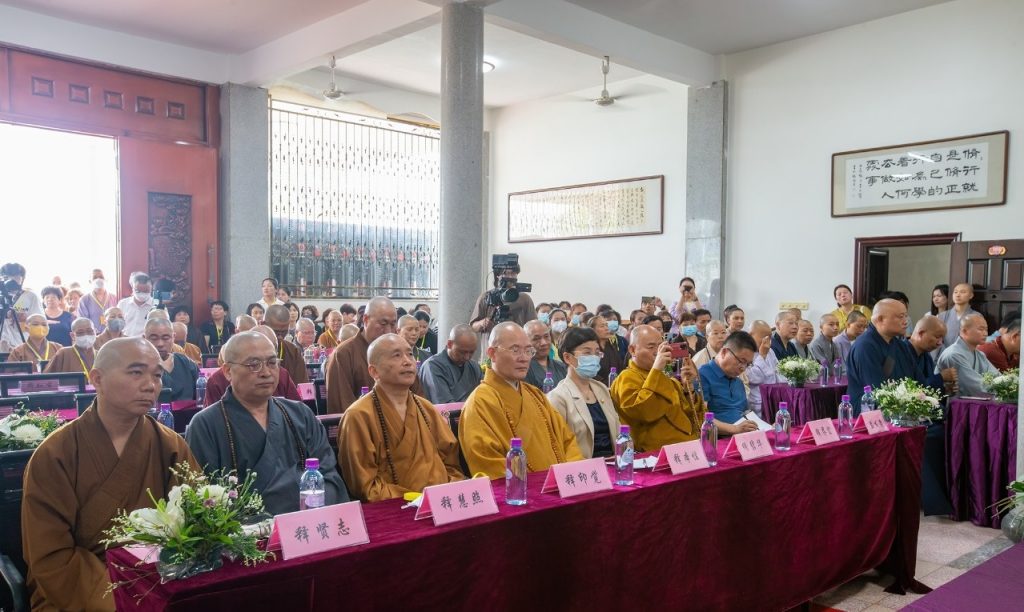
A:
(451, 375)
(180, 372)
(250, 430)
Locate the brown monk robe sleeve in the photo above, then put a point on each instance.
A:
(295, 363)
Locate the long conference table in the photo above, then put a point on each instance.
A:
(768, 534)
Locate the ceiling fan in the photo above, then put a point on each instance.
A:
(605, 99)
(333, 93)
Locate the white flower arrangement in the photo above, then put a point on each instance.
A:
(23, 430)
(799, 370)
(908, 401)
(1005, 386)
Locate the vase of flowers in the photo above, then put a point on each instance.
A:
(907, 403)
(799, 370)
(199, 524)
(1005, 386)
(22, 429)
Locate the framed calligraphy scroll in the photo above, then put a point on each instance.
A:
(936, 174)
(626, 207)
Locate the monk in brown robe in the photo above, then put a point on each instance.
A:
(79, 356)
(114, 320)
(504, 406)
(347, 368)
(190, 350)
(108, 459)
(36, 347)
(330, 338)
(278, 319)
(392, 441)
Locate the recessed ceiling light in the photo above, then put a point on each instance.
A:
(487, 67)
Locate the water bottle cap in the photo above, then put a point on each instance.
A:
(364, 390)
(547, 374)
(312, 463)
(709, 416)
(517, 442)
(165, 407)
(783, 405)
(846, 398)
(867, 389)
(623, 429)
(613, 370)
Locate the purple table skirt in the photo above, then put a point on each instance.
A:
(981, 457)
(808, 403)
(994, 585)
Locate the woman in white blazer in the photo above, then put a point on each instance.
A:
(584, 403)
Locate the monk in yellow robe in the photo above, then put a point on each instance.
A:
(392, 441)
(79, 356)
(190, 350)
(79, 477)
(505, 407)
(114, 320)
(332, 332)
(36, 347)
(659, 409)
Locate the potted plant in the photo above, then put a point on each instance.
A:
(906, 402)
(799, 370)
(1005, 386)
(1013, 521)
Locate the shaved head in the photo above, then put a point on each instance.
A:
(277, 314)
(510, 351)
(243, 344)
(759, 330)
(931, 324)
(180, 329)
(81, 323)
(383, 346)
(157, 313)
(405, 320)
(347, 331)
(113, 311)
(244, 323)
(391, 363)
(304, 325)
(534, 327)
(642, 334)
(155, 324)
(459, 331)
(972, 320)
(886, 307)
(504, 331)
(378, 305)
(268, 332)
(379, 318)
(119, 352)
(35, 318)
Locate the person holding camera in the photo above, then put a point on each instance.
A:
(508, 301)
(16, 304)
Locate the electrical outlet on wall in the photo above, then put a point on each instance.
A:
(788, 305)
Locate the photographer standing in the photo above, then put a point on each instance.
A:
(507, 301)
(17, 305)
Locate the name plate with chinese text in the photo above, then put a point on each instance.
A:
(208, 372)
(457, 501)
(822, 431)
(577, 478)
(41, 386)
(749, 445)
(308, 532)
(871, 422)
(306, 391)
(682, 457)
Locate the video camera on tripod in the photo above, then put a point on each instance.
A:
(506, 290)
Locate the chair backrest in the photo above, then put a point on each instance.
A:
(12, 470)
(313, 371)
(209, 360)
(332, 423)
(61, 400)
(4, 356)
(83, 401)
(8, 404)
(72, 381)
(17, 367)
(320, 388)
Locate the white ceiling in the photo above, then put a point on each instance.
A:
(730, 26)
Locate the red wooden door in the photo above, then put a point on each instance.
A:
(996, 270)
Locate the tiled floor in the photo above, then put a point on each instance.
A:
(945, 549)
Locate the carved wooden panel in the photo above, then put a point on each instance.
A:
(170, 243)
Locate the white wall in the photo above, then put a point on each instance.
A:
(944, 71)
(568, 140)
(915, 270)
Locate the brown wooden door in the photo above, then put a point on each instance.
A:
(996, 270)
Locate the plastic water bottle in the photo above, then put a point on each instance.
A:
(838, 371)
(201, 391)
(624, 457)
(846, 418)
(165, 417)
(783, 422)
(515, 474)
(311, 486)
(709, 438)
(322, 360)
(549, 382)
(363, 391)
(310, 354)
(613, 373)
(823, 379)
(867, 401)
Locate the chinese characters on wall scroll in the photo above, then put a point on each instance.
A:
(595, 210)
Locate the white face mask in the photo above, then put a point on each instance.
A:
(559, 326)
(84, 342)
(98, 283)
(142, 296)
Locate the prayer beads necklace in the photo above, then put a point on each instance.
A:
(300, 448)
(551, 431)
(384, 429)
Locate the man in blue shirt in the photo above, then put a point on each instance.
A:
(785, 330)
(916, 360)
(876, 354)
(723, 390)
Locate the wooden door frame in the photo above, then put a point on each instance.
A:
(862, 245)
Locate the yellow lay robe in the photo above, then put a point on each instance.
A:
(26, 352)
(657, 408)
(423, 449)
(72, 359)
(485, 433)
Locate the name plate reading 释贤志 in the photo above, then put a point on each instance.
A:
(457, 501)
(577, 478)
(306, 391)
(308, 532)
(871, 422)
(822, 431)
(40, 386)
(749, 445)
(682, 457)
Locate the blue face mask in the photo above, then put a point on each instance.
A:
(688, 330)
(575, 319)
(543, 317)
(613, 326)
(589, 365)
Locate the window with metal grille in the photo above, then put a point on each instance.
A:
(354, 204)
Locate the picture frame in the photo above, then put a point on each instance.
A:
(961, 172)
(623, 207)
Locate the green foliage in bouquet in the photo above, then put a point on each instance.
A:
(23, 429)
(1005, 386)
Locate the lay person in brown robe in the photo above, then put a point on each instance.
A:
(114, 320)
(190, 350)
(392, 441)
(347, 368)
(278, 319)
(77, 480)
(79, 356)
(36, 347)
(332, 331)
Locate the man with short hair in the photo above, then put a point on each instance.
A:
(660, 409)
(451, 375)
(801, 343)
(970, 363)
(409, 330)
(391, 441)
(36, 347)
(822, 347)
(136, 306)
(114, 320)
(112, 459)
(80, 355)
(180, 338)
(13, 329)
(917, 362)
(1003, 351)
(278, 319)
(179, 372)
(329, 339)
(251, 430)
(963, 293)
(703, 318)
(504, 406)
(520, 311)
(856, 323)
(874, 357)
(724, 391)
(349, 315)
(305, 333)
(217, 383)
(543, 360)
(763, 370)
(785, 330)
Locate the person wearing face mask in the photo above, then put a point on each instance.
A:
(585, 403)
(36, 347)
(80, 355)
(559, 322)
(114, 320)
(544, 313)
(688, 333)
(578, 310)
(614, 353)
(14, 328)
(137, 306)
